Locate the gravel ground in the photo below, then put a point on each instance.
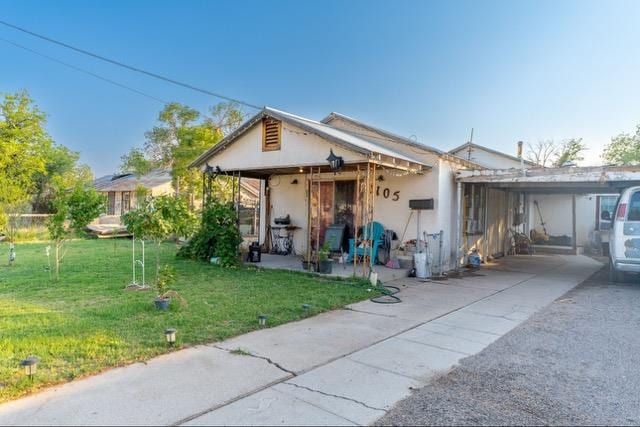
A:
(575, 362)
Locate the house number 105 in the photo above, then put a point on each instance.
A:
(386, 192)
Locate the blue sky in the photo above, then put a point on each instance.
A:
(512, 70)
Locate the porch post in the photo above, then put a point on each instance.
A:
(574, 233)
(458, 226)
(485, 226)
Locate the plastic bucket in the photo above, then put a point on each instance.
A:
(420, 260)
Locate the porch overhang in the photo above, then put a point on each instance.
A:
(271, 170)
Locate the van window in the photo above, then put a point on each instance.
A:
(634, 207)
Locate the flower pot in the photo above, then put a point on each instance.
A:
(162, 303)
(326, 266)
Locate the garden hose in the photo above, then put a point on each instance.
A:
(388, 295)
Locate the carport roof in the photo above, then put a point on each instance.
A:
(593, 179)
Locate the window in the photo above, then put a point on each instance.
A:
(271, 134)
(474, 205)
(111, 203)
(634, 207)
(126, 202)
(605, 207)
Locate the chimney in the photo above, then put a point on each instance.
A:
(519, 149)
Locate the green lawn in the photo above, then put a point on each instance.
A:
(87, 322)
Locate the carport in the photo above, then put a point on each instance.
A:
(496, 204)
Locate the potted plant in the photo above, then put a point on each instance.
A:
(325, 263)
(166, 278)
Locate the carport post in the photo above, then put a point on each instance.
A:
(573, 231)
(458, 226)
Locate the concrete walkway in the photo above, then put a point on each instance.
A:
(345, 367)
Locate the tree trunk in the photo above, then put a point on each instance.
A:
(158, 244)
(57, 262)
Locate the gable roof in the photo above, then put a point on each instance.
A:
(129, 181)
(490, 150)
(392, 137)
(385, 134)
(350, 141)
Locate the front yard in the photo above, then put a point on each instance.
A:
(87, 322)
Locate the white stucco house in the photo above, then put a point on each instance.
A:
(380, 175)
(382, 172)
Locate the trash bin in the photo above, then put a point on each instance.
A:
(254, 252)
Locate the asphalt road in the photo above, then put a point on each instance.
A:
(577, 361)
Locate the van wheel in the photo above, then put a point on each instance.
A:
(614, 275)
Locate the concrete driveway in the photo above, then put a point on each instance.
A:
(344, 367)
(575, 362)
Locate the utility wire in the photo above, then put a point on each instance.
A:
(130, 67)
(145, 72)
(82, 70)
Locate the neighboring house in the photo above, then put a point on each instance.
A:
(120, 191)
(489, 158)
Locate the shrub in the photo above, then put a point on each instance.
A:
(218, 235)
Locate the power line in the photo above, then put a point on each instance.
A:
(130, 67)
(82, 70)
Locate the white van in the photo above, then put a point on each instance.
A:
(624, 236)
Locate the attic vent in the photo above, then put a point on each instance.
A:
(271, 134)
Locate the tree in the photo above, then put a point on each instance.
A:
(541, 153)
(180, 137)
(569, 151)
(623, 149)
(159, 218)
(74, 210)
(136, 162)
(23, 140)
(61, 165)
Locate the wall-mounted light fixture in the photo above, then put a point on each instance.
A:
(335, 162)
(295, 181)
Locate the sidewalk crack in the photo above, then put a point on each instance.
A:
(336, 396)
(257, 356)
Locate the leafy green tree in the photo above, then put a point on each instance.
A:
(23, 140)
(61, 165)
(159, 218)
(74, 210)
(181, 135)
(135, 161)
(569, 151)
(623, 149)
